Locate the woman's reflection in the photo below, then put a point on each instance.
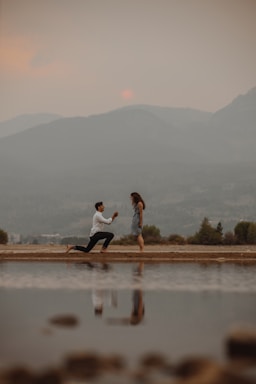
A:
(138, 309)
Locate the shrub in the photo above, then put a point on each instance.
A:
(193, 239)
(151, 234)
(125, 240)
(176, 239)
(151, 231)
(229, 238)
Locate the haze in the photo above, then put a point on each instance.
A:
(82, 57)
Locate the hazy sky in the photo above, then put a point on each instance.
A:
(82, 57)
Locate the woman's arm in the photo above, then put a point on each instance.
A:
(140, 206)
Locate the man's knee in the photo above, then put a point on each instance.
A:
(110, 235)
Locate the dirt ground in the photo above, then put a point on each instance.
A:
(124, 253)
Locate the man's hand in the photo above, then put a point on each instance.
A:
(115, 214)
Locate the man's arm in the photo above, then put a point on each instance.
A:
(102, 219)
(115, 214)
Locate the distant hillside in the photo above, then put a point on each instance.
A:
(233, 128)
(23, 122)
(227, 136)
(187, 164)
(180, 117)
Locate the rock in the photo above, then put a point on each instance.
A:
(113, 363)
(241, 343)
(83, 365)
(64, 320)
(17, 375)
(50, 376)
(153, 360)
(204, 371)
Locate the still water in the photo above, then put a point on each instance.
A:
(177, 309)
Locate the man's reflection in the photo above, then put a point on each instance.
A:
(101, 298)
(138, 307)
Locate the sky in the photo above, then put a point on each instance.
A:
(84, 57)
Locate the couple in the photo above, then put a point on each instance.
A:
(98, 222)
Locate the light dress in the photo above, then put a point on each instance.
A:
(135, 230)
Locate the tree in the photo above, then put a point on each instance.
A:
(251, 233)
(241, 231)
(219, 228)
(3, 237)
(205, 231)
(207, 235)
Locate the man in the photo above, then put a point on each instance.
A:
(97, 232)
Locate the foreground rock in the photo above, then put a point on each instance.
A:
(241, 343)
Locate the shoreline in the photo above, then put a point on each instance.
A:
(116, 253)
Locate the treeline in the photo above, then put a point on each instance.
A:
(244, 233)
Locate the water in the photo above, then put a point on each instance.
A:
(189, 308)
(182, 276)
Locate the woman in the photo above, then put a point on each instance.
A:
(137, 220)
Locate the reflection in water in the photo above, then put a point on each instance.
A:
(138, 310)
(138, 307)
(101, 297)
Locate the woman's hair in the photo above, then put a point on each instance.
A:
(136, 198)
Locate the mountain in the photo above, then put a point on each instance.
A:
(235, 125)
(182, 161)
(226, 136)
(23, 122)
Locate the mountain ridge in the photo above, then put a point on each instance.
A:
(22, 122)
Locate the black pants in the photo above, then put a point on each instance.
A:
(108, 236)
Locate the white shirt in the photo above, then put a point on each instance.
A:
(106, 297)
(98, 222)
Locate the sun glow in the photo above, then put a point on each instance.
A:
(127, 94)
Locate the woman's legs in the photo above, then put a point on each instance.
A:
(140, 242)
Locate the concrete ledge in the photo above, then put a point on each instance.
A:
(168, 253)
